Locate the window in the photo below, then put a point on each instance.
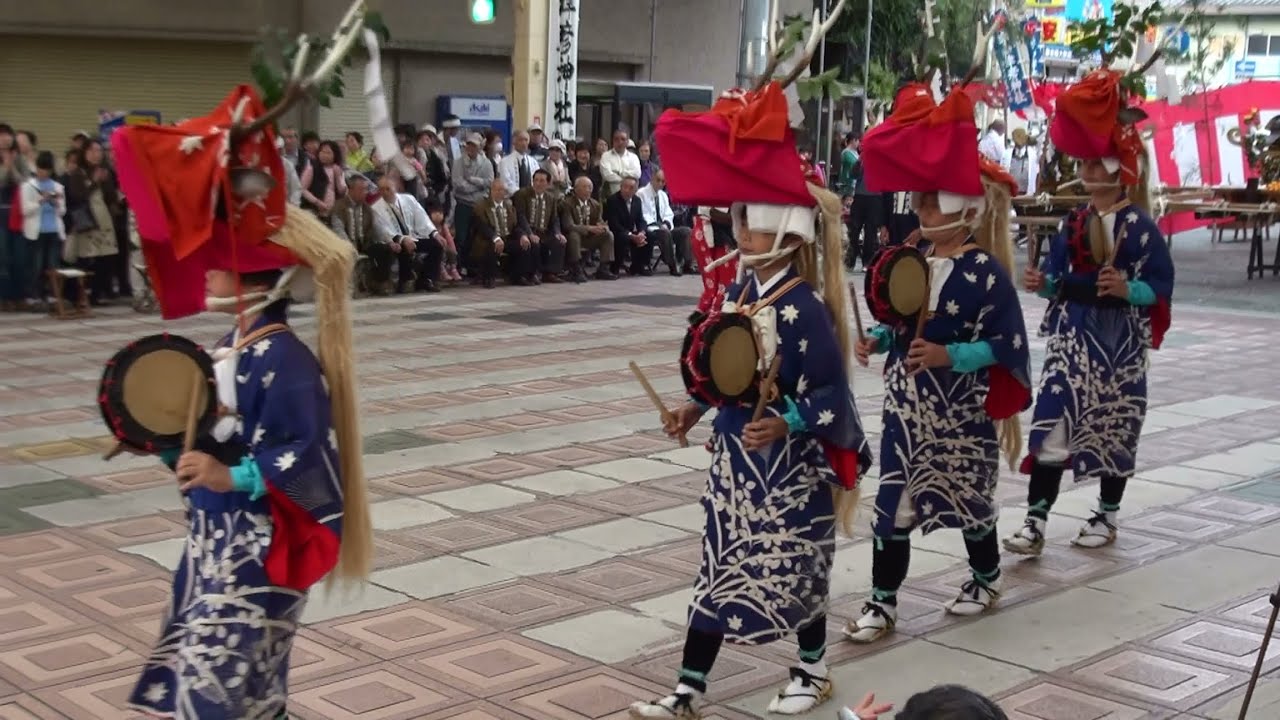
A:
(1263, 45)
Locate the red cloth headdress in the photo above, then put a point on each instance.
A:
(178, 181)
(1087, 125)
(924, 146)
(742, 150)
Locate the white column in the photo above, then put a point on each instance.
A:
(529, 62)
(562, 69)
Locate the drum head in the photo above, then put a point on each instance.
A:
(147, 388)
(908, 275)
(733, 359)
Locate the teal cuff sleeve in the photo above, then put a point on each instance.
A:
(883, 337)
(246, 477)
(170, 457)
(971, 356)
(1141, 294)
(1050, 287)
(795, 423)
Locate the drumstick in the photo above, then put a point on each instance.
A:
(667, 417)
(193, 414)
(1033, 249)
(924, 309)
(766, 387)
(857, 317)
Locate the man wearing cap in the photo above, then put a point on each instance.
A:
(353, 220)
(557, 168)
(472, 176)
(537, 142)
(516, 170)
(433, 165)
(583, 223)
(451, 138)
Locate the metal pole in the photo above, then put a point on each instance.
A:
(866, 58)
(820, 153)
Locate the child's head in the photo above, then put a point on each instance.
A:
(44, 164)
(222, 285)
(950, 702)
(436, 212)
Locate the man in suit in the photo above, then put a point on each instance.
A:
(538, 218)
(626, 222)
(585, 228)
(660, 226)
(413, 239)
(353, 219)
(497, 232)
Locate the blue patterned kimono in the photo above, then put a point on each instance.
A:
(241, 583)
(939, 444)
(770, 532)
(1095, 368)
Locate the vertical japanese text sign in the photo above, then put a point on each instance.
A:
(562, 70)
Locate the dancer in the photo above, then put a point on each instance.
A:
(779, 485)
(1109, 280)
(275, 491)
(948, 388)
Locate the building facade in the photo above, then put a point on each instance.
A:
(64, 62)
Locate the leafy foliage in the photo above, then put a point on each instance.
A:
(1118, 38)
(1207, 55)
(273, 56)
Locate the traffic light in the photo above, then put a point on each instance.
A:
(483, 11)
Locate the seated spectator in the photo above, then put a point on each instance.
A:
(357, 159)
(323, 181)
(413, 239)
(494, 219)
(586, 231)
(44, 202)
(626, 222)
(557, 168)
(582, 166)
(354, 220)
(660, 226)
(449, 271)
(538, 217)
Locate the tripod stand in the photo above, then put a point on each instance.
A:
(1262, 653)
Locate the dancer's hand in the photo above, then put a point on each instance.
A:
(763, 433)
(681, 420)
(1113, 283)
(197, 469)
(863, 348)
(1033, 280)
(923, 354)
(869, 710)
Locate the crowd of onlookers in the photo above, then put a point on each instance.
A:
(458, 206)
(57, 215)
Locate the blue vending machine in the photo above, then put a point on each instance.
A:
(478, 113)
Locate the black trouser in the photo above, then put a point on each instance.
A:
(428, 254)
(673, 245)
(627, 252)
(891, 558)
(523, 262)
(380, 261)
(701, 649)
(124, 269)
(865, 218)
(103, 269)
(1042, 490)
(551, 259)
(462, 235)
(900, 226)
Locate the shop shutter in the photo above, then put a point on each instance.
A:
(56, 86)
(351, 112)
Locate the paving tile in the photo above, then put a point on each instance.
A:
(1234, 464)
(454, 432)
(37, 619)
(736, 672)
(570, 456)
(630, 635)
(144, 598)
(562, 482)
(1002, 636)
(463, 534)
(689, 484)
(639, 444)
(496, 665)
(1051, 701)
(45, 493)
(25, 707)
(38, 547)
(884, 673)
(538, 555)
(1180, 526)
(131, 480)
(1231, 509)
(163, 553)
(694, 457)
(1155, 678)
(1218, 644)
(633, 470)
(385, 693)
(1190, 477)
(90, 570)
(690, 517)
(589, 695)
(480, 498)
(1265, 703)
(327, 603)
(137, 531)
(619, 580)
(517, 604)
(549, 517)
(43, 663)
(496, 469)
(628, 499)
(401, 630)
(439, 576)
(418, 482)
(624, 535)
(400, 513)
(1196, 580)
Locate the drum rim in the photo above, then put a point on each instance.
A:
(882, 269)
(109, 391)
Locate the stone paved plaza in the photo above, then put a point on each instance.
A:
(537, 538)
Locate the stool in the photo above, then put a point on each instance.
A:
(57, 282)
